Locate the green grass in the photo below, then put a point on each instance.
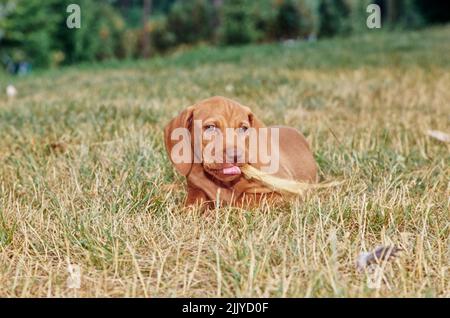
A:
(84, 177)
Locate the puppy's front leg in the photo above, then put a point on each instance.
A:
(198, 179)
(195, 196)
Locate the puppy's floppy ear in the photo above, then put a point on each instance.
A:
(254, 121)
(183, 120)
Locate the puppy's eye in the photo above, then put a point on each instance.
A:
(210, 128)
(242, 129)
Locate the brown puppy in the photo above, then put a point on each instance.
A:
(210, 180)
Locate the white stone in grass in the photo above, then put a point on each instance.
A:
(11, 91)
(439, 135)
(229, 88)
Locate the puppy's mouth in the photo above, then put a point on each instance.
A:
(232, 171)
(228, 170)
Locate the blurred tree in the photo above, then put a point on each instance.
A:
(99, 37)
(392, 8)
(163, 6)
(411, 17)
(146, 11)
(288, 20)
(191, 21)
(263, 19)
(294, 19)
(162, 39)
(124, 5)
(27, 30)
(307, 22)
(359, 15)
(239, 25)
(334, 16)
(438, 12)
(217, 4)
(400, 13)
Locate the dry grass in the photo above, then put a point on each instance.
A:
(84, 177)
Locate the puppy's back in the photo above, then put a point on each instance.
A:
(296, 158)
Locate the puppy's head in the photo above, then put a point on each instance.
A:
(213, 133)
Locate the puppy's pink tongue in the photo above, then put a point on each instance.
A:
(232, 170)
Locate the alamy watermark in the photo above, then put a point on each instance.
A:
(73, 21)
(374, 19)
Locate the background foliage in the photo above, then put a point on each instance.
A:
(34, 31)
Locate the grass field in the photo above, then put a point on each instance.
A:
(85, 180)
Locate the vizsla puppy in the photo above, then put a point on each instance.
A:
(214, 173)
